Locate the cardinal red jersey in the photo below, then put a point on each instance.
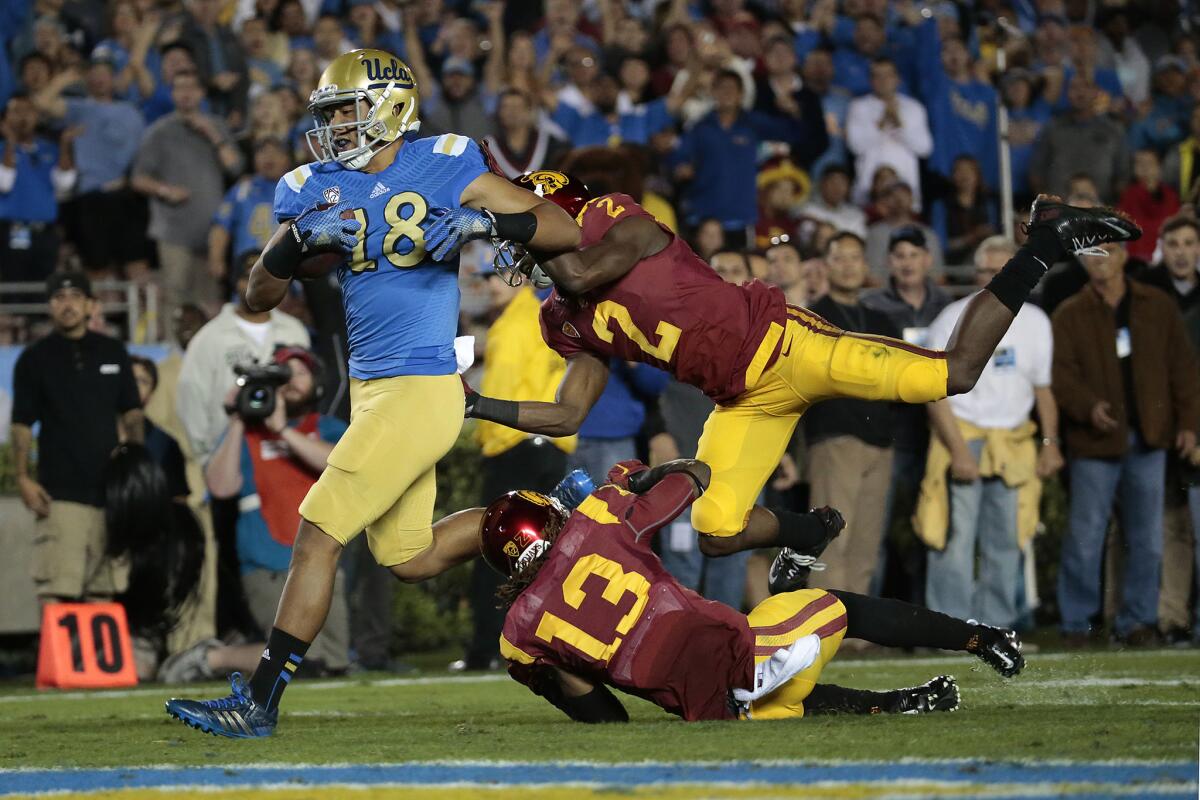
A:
(603, 607)
(671, 311)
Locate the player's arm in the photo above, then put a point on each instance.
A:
(664, 492)
(321, 228)
(636, 477)
(578, 698)
(618, 251)
(521, 216)
(496, 209)
(265, 289)
(581, 387)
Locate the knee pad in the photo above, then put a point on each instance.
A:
(921, 379)
(715, 512)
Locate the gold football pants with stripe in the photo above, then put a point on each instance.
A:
(783, 619)
(744, 440)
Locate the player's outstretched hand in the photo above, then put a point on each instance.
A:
(623, 471)
(327, 227)
(452, 228)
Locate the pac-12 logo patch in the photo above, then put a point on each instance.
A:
(569, 330)
(510, 549)
(333, 194)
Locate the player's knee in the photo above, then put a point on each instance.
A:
(715, 546)
(314, 545)
(925, 380)
(715, 514)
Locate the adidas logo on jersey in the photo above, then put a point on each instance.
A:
(378, 190)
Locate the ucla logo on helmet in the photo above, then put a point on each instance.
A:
(377, 72)
(546, 181)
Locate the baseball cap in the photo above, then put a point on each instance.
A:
(459, 65)
(284, 354)
(907, 233)
(68, 280)
(1170, 62)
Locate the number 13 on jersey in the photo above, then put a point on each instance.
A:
(618, 583)
(403, 244)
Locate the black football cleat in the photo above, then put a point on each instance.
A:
(998, 648)
(939, 694)
(791, 568)
(1081, 230)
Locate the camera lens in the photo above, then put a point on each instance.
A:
(258, 397)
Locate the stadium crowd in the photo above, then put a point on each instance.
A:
(846, 152)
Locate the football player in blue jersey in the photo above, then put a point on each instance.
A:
(396, 209)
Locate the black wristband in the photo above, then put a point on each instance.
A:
(282, 258)
(503, 412)
(519, 227)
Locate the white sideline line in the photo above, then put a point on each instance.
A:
(442, 680)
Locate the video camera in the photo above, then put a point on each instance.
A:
(258, 387)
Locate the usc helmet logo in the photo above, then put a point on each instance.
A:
(546, 181)
(510, 549)
(534, 497)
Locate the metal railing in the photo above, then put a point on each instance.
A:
(139, 306)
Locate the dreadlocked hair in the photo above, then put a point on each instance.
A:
(161, 538)
(518, 582)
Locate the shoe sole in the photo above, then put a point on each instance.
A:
(209, 729)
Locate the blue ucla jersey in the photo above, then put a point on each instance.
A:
(246, 214)
(401, 306)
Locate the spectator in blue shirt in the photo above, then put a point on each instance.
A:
(367, 29)
(130, 51)
(1166, 122)
(1028, 113)
(106, 225)
(609, 432)
(263, 72)
(244, 221)
(962, 108)
(32, 170)
(852, 64)
(561, 30)
(719, 158)
(608, 126)
(817, 73)
(174, 58)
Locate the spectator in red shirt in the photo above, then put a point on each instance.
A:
(1149, 201)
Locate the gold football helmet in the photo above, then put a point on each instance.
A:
(389, 90)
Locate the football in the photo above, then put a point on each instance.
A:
(318, 264)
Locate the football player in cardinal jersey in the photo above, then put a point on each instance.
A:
(392, 210)
(635, 291)
(590, 606)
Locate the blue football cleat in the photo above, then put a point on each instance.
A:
(236, 716)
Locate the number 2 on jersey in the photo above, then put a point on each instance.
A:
(551, 627)
(401, 228)
(668, 334)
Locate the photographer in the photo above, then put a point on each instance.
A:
(279, 444)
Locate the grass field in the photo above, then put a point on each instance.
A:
(1096, 723)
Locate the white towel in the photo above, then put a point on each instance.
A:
(783, 665)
